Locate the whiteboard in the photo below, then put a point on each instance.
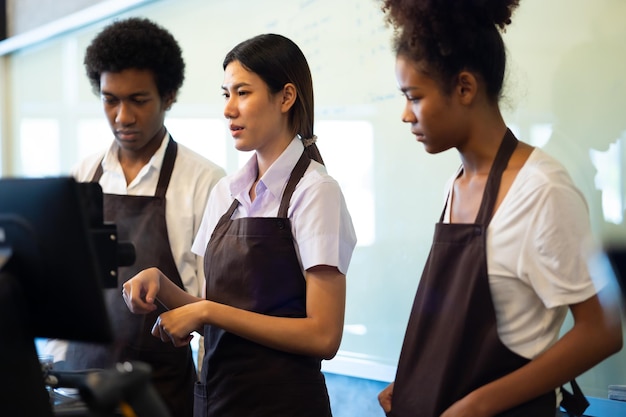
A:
(565, 91)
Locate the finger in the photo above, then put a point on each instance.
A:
(151, 294)
(137, 302)
(161, 333)
(155, 330)
(165, 336)
(182, 342)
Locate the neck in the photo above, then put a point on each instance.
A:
(481, 146)
(269, 154)
(143, 154)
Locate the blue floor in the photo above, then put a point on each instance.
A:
(350, 397)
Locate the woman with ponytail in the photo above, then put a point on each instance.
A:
(511, 249)
(277, 240)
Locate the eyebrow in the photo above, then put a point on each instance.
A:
(236, 86)
(407, 89)
(135, 94)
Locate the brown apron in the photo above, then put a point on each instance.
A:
(451, 346)
(141, 220)
(251, 263)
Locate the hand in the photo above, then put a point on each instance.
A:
(140, 291)
(176, 325)
(384, 398)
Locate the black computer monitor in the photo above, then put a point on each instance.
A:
(52, 272)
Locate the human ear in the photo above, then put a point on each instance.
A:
(289, 95)
(168, 100)
(466, 87)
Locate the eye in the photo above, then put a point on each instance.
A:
(110, 100)
(412, 99)
(242, 92)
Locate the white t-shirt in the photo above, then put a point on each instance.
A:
(539, 247)
(320, 223)
(192, 179)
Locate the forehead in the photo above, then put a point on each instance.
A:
(411, 74)
(128, 81)
(236, 75)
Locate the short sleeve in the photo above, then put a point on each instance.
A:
(559, 250)
(323, 228)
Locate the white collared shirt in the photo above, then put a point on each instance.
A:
(192, 179)
(320, 222)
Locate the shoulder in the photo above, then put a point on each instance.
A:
(542, 175)
(318, 194)
(546, 194)
(543, 195)
(316, 173)
(317, 185)
(85, 168)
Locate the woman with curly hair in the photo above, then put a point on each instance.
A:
(509, 254)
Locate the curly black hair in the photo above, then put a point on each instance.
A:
(140, 44)
(449, 36)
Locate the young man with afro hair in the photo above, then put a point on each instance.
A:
(136, 68)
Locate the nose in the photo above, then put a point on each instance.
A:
(124, 115)
(408, 116)
(230, 108)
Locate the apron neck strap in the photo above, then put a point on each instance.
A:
(508, 145)
(166, 168)
(296, 174)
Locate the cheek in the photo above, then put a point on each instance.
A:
(110, 113)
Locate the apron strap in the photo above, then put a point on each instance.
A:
(229, 213)
(166, 169)
(98, 174)
(488, 202)
(508, 145)
(574, 403)
(296, 174)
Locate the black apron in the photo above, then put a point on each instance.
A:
(141, 220)
(251, 263)
(451, 346)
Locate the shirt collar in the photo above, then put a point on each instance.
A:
(111, 160)
(276, 176)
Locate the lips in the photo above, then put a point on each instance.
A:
(126, 134)
(418, 135)
(235, 130)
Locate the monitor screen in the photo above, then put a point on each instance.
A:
(52, 272)
(46, 225)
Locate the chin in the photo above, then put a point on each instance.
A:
(433, 150)
(242, 147)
